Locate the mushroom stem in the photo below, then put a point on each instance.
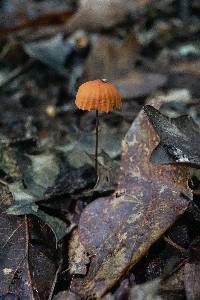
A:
(97, 142)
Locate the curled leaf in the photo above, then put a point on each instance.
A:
(179, 139)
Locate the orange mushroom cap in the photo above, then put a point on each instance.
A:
(98, 95)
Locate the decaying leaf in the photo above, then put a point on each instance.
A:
(109, 141)
(191, 280)
(137, 84)
(146, 291)
(22, 265)
(174, 285)
(78, 258)
(97, 14)
(52, 52)
(8, 161)
(39, 173)
(32, 280)
(122, 291)
(179, 139)
(25, 204)
(117, 231)
(107, 174)
(12, 246)
(66, 295)
(19, 15)
(115, 60)
(107, 61)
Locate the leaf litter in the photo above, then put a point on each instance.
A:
(47, 161)
(25, 198)
(95, 15)
(110, 64)
(146, 203)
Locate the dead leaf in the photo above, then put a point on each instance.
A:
(52, 52)
(179, 139)
(40, 177)
(111, 58)
(174, 285)
(8, 160)
(137, 84)
(122, 291)
(109, 141)
(117, 231)
(40, 173)
(23, 267)
(24, 203)
(78, 258)
(26, 14)
(43, 270)
(115, 60)
(191, 280)
(107, 174)
(12, 249)
(94, 15)
(66, 295)
(146, 291)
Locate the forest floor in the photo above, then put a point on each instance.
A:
(135, 233)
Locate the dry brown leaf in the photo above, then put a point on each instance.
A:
(191, 280)
(111, 58)
(137, 84)
(97, 14)
(78, 258)
(117, 231)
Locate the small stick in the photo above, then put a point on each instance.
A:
(3, 182)
(97, 142)
(173, 244)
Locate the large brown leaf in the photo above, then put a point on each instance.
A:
(117, 231)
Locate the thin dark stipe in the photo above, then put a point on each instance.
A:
(97, 142)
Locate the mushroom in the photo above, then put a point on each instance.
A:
(99, 95)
